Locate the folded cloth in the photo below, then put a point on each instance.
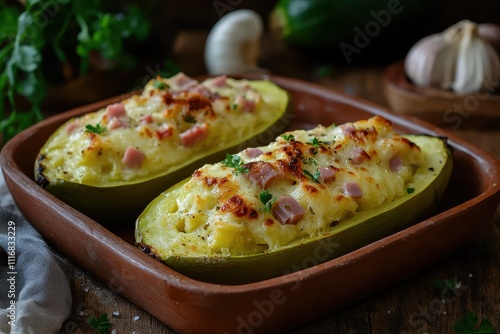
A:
(35, 296)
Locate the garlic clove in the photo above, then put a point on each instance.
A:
(478, 64)
(431, 61)
(490, 32)
(232, 45)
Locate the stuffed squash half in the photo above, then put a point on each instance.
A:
(111, 163)
(309, 196)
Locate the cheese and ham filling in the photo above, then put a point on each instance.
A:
(295, 188)
(163, 127)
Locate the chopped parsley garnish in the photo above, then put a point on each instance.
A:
(160, 85)
(410, 190)
(445, 286)
(470, 325)
(309, 161)
(315, 142)
(189, 119)
(234, 106)
(101, 324)
(235, 162)
(97, 129)
(288, 137)
(314, 177)
(267, 199)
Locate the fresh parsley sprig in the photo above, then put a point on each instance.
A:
(315, 142)
(75, 29)
(267, 199)
(234, 161)
(97, 129)
(308, 161)
(101, 324)
(288, 137)
(470, 325)
(160, 85)
(314, 177)
(444, 285)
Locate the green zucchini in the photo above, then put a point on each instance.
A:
(114, 200)
(327, 23)
(423, 194)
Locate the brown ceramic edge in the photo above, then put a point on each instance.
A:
(195, 285)
(399, 91)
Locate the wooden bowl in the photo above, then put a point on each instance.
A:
(441, 107)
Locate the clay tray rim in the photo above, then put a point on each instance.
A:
(97, 231)
(175, 287)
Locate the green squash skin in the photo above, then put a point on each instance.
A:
(349, 235)
(326, 23)
(119, 205)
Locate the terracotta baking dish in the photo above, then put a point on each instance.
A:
(276, 304)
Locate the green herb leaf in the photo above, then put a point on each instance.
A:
(27, 58)
(410, 190)
(288, 137)
(100, 324)
(99, 29)
(309, 161)
(97, 129)
(314, 177)
(267, 199)
(189, 119)
(160, 85)
(235, 162)
(444, 284)
(469, 325)
(315, 142)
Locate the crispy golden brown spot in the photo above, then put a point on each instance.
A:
(237, 206)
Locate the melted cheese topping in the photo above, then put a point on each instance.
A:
(169, 123)
(220, 210)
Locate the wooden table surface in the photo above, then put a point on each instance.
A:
(415, 305)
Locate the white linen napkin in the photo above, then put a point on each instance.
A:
(35, 296)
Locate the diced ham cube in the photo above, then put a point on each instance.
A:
(193, 135)
(395, 163)
(352, 189)
(327, 174)
(184, 81)
(287, 210)
(358, 155)
(261, 173)
(248, 106)
(72, 126)
(147, 119)
(253, 152)
(348, 129)
(117, 123)
(220, 81)
(215, 96)
(202, 90)
(116, 110)
(133, 157)
(164, 133)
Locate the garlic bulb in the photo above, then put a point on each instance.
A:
(456, 59)
(232, 45)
